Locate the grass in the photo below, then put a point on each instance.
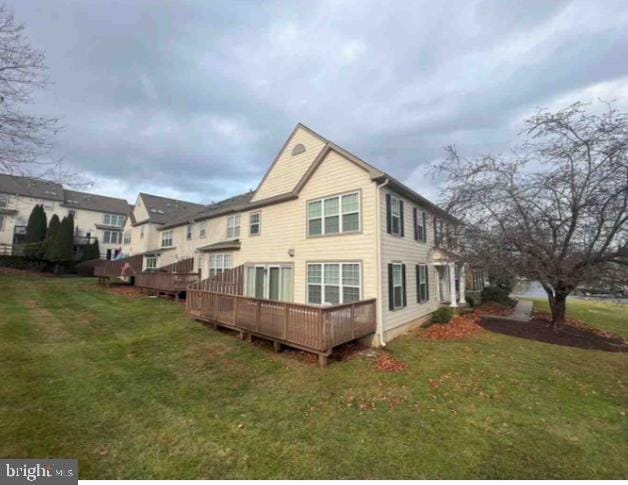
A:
(612, 317)
(136, 390)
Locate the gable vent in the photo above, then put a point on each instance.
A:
(298, 149)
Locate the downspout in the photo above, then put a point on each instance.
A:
(378, 244)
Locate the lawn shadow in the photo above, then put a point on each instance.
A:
(570, 335)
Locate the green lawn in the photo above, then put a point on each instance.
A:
(136, 390)
(611, 317)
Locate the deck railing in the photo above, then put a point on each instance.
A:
(109, 269)
(312, 328)
(231, 282)
(166, 282)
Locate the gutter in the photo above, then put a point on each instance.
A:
(378, 244)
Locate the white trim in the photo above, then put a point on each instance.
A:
(341, 284)
(339, 213)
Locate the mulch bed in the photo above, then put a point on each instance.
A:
(573, 334)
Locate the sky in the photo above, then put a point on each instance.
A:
(193, 99)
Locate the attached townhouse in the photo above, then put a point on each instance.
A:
(325, 227)
(141, 232)
(95, 216)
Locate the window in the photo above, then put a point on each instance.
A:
(396, 208)
(219, 263)
(438, 232)
(127, 237)
(273, 282)
(233, 227)
(112, 237)
(333, 283)
(72, 213)
(255, 223)
(422, 283)
(202, 231)
(1, 222)
(151, 262)
(188, 233)
(334, 215)
(113, 220)
(166, 239)
(420, 230)
(4, 201)
(396, 286)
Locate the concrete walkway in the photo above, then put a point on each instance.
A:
(522, 313)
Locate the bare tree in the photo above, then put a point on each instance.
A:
(24, 137)
(553, 210)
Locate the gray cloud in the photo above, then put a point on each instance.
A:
(193, 99)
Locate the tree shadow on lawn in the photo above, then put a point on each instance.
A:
(571, 335)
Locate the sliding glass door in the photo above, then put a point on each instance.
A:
(272, 282)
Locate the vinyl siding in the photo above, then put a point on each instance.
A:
(288, 169)
(409, 252)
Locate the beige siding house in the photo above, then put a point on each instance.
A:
(95, 216)
(324, 227)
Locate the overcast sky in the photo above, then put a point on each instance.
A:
(194, 99)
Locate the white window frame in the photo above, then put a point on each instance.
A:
(202, 230)
(341, 284)
(399, 285)
(113, 220)
(217, 263)
(188, 232)
(108, 237)
(151, 262)
(420, 217)
(257, 223)
(167, 239)
(340, 213)
(233, 226)
(4, 201)
(395, 203)
(267, 268)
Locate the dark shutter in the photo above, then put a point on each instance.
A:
(388, 215)
(418, 281)
(427, 283)
(424, 228)
(391, 297)
(416, 229)
(401, 217)
(403, 282)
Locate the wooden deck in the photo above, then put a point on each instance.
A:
(311, 328)
(159, 283)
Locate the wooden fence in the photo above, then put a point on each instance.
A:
(231, 282)
(113, 269)
(172, 283)
(311, 328)
(183, 266)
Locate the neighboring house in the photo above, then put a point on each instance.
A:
(141, 235)
(325, 227)
(95, 216)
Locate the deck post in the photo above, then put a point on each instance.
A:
(276, 346)
(322, 360)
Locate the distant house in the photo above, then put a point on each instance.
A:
(95, 216)
(323, 227)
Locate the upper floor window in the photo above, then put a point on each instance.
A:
(166, 239)
(202, 231)
(127, 237)
(114, 220)
(4, 201)
(255, 223)
(394, 215)
(188, 232)
(420, 226)
(112, 237)
(334, 215)
(233, 227)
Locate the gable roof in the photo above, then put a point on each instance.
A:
(95, 202)
(162, 209)
(30, 187)
(226, 206)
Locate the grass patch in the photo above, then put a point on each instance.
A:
(135, 389)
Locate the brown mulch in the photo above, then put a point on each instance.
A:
(573, 334)
(130, 292)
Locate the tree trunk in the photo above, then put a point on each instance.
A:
(558, 311)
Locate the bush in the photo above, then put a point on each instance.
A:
(471, 301)
(442, 315)
(497, 294)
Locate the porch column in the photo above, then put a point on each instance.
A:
(452, 285)
(462, 284)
